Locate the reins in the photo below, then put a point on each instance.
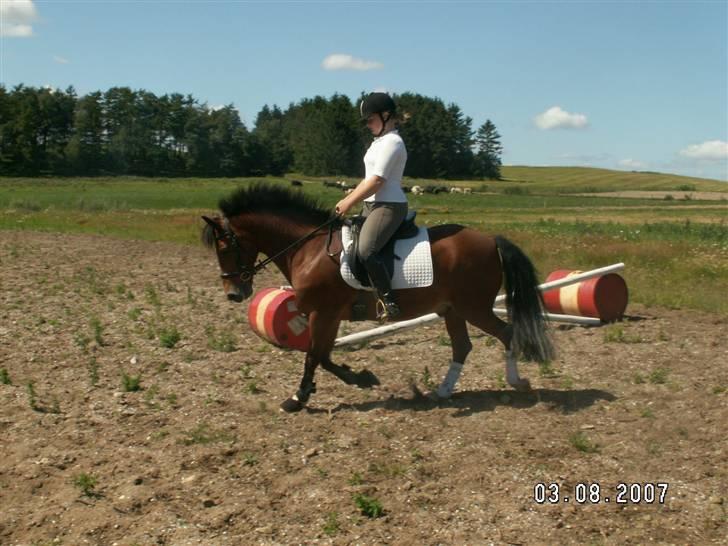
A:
(247, 273)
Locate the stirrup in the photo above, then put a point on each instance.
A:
(387, 310)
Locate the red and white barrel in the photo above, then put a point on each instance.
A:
(274, 316)
(604, 297)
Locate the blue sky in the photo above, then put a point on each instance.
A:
(622, 84)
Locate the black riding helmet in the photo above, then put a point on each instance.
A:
(377, 103)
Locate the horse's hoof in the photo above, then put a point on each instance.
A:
(522, 385)
(292, 405)
(366, 379)
(436, 396)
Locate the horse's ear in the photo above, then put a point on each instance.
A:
(210, 222)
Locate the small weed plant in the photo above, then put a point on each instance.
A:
(32, 397)
(203, 435)
(93, 371)
(582, 442)
(546, 369)
(427, 379)
(168, 337)
(249, 459)
(369, 506)
(98, 330)
(331, 527)
(356, 479)
(152, 297)
(130, 383)
(4, 377)
(223, 341)
(86, 483)
(658, 376)
(616, 334)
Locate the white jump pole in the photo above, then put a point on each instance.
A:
(573, 279)
(574, 319)
(413, 323)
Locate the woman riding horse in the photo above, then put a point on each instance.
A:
(468, 267)
(385, 204)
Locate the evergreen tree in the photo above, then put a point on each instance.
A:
(489, 150)
(269, 146)
(438, 138)
(85, 150)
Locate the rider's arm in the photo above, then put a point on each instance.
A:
(365, 188)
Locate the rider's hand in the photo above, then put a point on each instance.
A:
(342, 207)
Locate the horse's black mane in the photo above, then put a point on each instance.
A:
(264, 197)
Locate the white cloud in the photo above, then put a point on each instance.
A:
(710, 149)
(340, 61)
(16, 17)
(632, 164)
(60, 60)
(556, 118)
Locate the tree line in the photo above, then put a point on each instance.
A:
(135, 132)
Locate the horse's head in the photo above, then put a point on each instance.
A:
(236, 256)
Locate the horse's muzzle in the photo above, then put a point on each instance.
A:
(237, 298)
(240, 293)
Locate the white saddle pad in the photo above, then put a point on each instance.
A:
(414, 270)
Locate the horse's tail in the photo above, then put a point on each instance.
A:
(524, 303)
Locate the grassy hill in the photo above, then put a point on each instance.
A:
(591, 180)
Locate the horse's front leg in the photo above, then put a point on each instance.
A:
(322, 327)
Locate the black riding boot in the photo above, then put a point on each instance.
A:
(387, 308)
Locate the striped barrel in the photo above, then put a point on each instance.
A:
(274, 316)
(603, 297)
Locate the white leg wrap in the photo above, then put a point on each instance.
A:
(451, 378)
(512, 369)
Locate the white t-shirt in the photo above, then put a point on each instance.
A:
(386, 157)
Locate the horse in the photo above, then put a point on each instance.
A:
(297, 233)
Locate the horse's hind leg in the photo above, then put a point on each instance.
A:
(457, 329)
(494, 326)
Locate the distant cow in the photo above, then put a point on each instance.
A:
(417, 190)
(467, 190)
(296, 183)
(436, 189)
(455, 189)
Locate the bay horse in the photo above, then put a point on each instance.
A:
(296, 233)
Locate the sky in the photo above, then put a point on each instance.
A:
(630, 85)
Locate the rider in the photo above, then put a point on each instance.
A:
(385, 204)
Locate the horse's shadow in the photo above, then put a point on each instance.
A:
(471, 402)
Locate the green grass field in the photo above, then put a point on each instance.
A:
(676, 249)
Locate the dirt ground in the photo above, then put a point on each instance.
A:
(201, 454)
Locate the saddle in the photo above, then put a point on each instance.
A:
(406, 230)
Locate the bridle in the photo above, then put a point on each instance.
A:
(245, 272)
(232, 244)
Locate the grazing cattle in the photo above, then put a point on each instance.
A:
(296, 183)
(417, 190)
(467, 190)
(455, 189)
(436, 189)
